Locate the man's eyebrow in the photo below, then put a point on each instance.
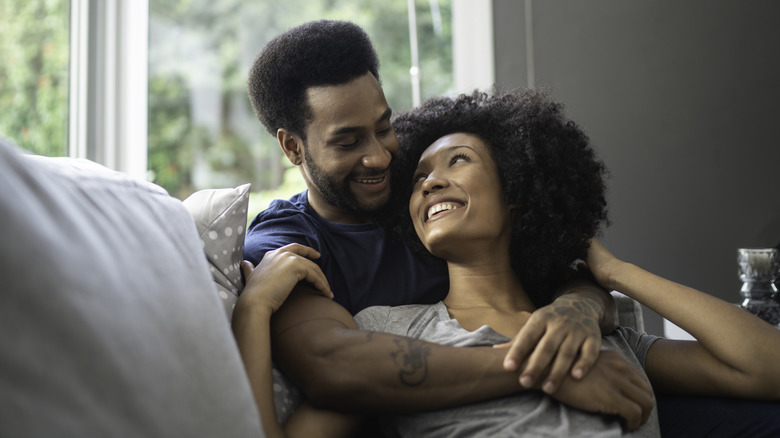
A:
(347, 129)
(385, 115)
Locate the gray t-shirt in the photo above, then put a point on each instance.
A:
(530, 413)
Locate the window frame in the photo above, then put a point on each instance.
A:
(108, 83)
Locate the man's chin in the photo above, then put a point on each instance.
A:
(375, 205)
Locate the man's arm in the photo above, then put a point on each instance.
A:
(567, 331)
(317, 343)
(585, 287)
(341, 367)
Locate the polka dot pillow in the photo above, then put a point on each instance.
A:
(220, 215)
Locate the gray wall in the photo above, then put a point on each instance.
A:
(682, 101)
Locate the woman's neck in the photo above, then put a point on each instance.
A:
(486, 284)
(487, 294)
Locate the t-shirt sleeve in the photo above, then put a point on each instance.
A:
(373, 318)
(275, 227)
(639, 342)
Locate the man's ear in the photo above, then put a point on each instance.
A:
(291, 145)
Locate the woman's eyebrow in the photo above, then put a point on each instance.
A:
(448, 149)
(454, 147)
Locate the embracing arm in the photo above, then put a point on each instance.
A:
(735, 353)
(567, 331)
(600, 302)
(342, 367)
(317, 343)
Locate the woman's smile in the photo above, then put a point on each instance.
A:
(440, 209)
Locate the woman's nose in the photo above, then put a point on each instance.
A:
(433, 183)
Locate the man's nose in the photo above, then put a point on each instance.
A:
(377, 155)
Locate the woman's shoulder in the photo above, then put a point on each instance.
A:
(400, 320)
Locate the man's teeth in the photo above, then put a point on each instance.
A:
(441, 207)
(370, 180)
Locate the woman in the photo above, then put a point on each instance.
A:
(510, 194)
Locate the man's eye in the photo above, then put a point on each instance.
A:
(349, 145)
(384, 132)
(419, 177)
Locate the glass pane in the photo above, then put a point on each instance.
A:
(202, 130)
(34, 74)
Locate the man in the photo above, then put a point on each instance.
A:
(316, 88)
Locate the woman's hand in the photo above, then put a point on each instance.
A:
(269, 284)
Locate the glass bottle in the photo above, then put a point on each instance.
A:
(758, 270)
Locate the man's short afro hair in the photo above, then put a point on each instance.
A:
(316, 53)
(547, 168)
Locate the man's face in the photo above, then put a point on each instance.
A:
(350, 144)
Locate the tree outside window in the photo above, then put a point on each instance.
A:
(34, 74)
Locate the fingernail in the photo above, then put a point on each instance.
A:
(577, 373)
(548, 387)
(526, 381)
(509, 364)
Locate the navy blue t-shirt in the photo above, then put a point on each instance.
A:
(363, 266)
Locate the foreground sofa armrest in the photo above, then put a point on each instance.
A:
(110, 322)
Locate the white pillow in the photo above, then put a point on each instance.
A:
(221, 216)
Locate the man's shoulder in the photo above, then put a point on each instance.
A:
(284, 215)
(285, 221)
(297, 205)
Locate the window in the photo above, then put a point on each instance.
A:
(34, 74)
(202, 130)
(156, 88)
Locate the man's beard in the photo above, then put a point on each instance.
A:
(338, 193)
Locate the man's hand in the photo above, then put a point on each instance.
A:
(612, 387)
(557, 334)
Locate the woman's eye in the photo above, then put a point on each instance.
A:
(419, 177)
(459, 157)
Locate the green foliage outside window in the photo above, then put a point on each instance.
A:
(34, 74)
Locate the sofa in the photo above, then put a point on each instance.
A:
(112, 321)
(116, 302)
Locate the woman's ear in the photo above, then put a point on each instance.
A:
(291, 146)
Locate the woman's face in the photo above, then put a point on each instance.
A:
(457, 203)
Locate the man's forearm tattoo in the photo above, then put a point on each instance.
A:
(412, 359)
(579, 313)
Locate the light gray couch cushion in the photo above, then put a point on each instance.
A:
(110, 324)
(629, 312)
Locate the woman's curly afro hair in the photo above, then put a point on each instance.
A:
(546, 165)
(323, 52)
